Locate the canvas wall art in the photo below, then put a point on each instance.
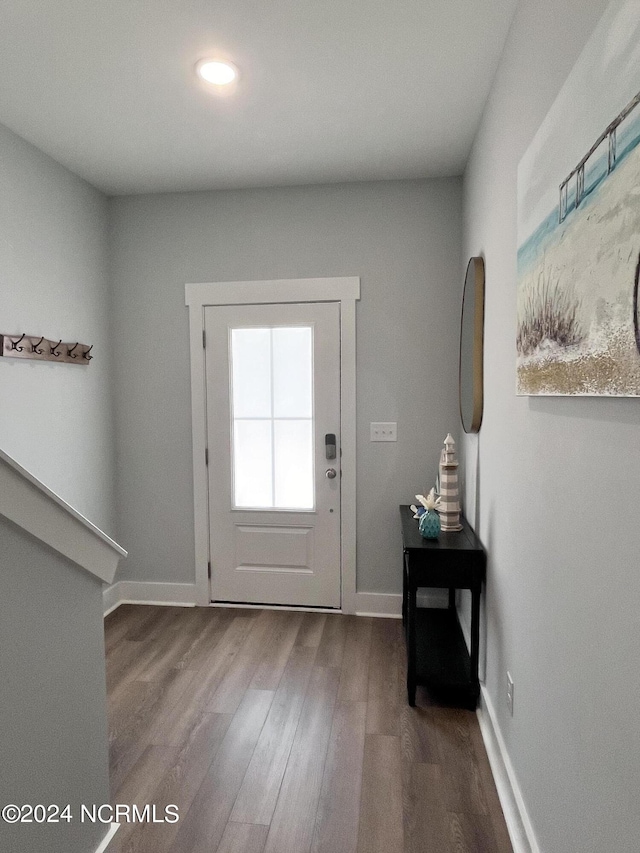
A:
(579, 225)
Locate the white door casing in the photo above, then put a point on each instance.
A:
(273, 393)
(344, 291)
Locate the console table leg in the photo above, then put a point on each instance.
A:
(411, 694)
(475, 635)
(404, 587)
(411, 645)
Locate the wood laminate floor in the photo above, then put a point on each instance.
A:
(276, 732)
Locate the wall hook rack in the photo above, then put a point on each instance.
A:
(14, 344)
(41, 349)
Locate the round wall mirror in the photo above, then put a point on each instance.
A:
(471, 341)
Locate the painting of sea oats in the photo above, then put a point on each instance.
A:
(578, 315)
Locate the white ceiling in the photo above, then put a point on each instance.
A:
(330, 90)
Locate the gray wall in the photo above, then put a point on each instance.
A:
(55, 419)
(557, 504)
(53, 726)
(402, 238)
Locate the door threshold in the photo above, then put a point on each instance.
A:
(240, 605)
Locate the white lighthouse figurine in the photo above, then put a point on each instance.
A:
(449, 508)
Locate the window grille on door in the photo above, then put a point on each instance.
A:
(272, 417)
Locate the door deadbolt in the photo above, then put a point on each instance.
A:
(330, 445)
(330, 473)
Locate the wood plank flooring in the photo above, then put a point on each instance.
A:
(278, 732)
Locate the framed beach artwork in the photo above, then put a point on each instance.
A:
(578, 323)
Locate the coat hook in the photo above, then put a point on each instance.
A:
(35, 346)
(70, 351)
(14, 344)
(86, 353)
(53, 349)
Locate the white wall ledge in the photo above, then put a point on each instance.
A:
(31, 505)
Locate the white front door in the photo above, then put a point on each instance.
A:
(273, 403)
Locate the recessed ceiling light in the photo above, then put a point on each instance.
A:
(216, 71)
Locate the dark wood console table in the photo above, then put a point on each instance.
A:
(437, 655)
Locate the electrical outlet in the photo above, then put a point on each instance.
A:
(384, 432)
(510, 693)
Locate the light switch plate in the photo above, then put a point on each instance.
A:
(384, 432)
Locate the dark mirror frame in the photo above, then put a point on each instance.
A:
(474, 280)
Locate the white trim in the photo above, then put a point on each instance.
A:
(110, 598)
(199, 443)
(277, 290)
(345, 290)
(231, 605)
(348, 449)
(435, 597)
(386, 604)
(27, 475)
(465, 627)
(148, 592)
(106, 841)
(389, 604)
(38, 510)
(521, 832)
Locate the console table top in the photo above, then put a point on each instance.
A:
(458, 540)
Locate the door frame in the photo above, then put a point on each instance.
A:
(199, 296)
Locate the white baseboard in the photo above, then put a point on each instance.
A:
(385, 604)
(389, 605)
(382, 604)
(466, 629)
(106, 841)
(521, 832)
(287, 608)
(143, 592)
(433, 598)
(110, 598)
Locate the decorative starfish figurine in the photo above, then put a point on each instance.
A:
(430, 502)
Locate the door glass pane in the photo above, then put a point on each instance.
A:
(292, 372)
(293, 452)
(252, 463)
(251, 372)
(272, 417)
